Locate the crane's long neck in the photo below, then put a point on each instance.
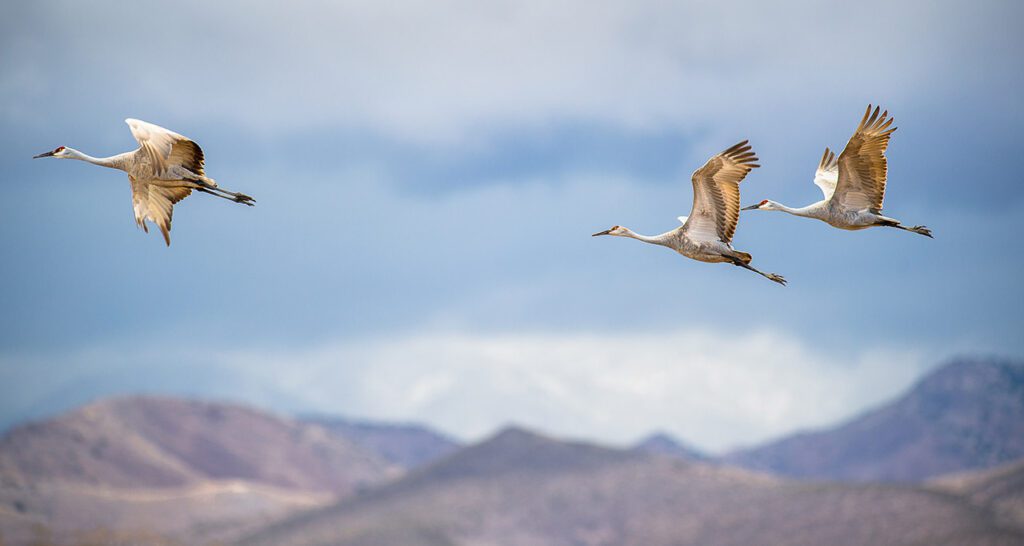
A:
(665, 239)
(810, 211)
(118, 161)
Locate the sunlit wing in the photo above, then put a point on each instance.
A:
(827, 174)
(862, 165)
(166, 148)
(716, 194)
(156, 204)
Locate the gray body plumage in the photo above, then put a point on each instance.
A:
(702, 251)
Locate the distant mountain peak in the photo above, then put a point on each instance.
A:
(970, 374)
(518, 450)
(967, 414)
(517, 434)
(663, 443)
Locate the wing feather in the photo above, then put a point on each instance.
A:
(862, 165)
(716, 194)
(166, 148)
(156, 204)
(827, 174)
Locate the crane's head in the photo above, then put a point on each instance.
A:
(763, 205)
(617, 231)
(59, 152)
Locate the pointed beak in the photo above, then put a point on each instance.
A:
(751, 207)
(605, 232)
(47, 154)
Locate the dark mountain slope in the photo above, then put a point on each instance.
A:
(966, 415)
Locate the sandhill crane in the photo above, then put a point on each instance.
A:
(853, 184)
(162, 171)
(706, 235)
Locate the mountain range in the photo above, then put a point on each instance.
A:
(940, 465)
(520, 488)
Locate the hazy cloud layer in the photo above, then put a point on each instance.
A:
(716, 391)
(710, 389)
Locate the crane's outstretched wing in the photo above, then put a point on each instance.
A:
(155, 203)
(827, 174)
(862, 165)
(716, 194)
(166, 148)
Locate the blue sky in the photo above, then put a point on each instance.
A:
(428, 175)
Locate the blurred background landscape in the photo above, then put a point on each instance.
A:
(412, 338)
(941, 464)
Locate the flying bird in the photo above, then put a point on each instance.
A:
(853, 183)
(162, 171)
(706, 235)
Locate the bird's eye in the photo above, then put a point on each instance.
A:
(58, 150)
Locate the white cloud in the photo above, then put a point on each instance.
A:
(709, 388)
(442, 71)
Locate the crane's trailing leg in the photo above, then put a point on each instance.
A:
(231, 196)
(239, 197)
(207, 185)
(920, 230)
(770, 276)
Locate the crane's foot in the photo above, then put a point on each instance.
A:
(770, 276)
(921, 230)
(244, 199)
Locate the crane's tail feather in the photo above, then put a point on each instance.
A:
(743, 257)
